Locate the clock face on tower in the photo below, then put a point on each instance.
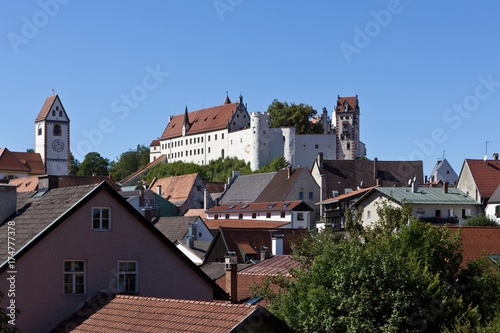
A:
(58, 145)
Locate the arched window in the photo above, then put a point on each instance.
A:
(57, 130)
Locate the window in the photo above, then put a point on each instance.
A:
(127, 276)
(39, 130)
(209, 138)
(316, 146)
(222, 136)
(368, 215)
(215, 137)
(311, 195)
(438, 213)
(101, 218)
(227, 216)
(268, 215)
(57, 130)
(497, 211)
(282, 215)
(186, 142)
(74, 277)
(216, 216)
(240, 216)
(190, 141)
(254, 215)
(60, 113)
(301, 195)
(300, 216)
(209, 150)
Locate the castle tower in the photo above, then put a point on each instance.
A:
(260, 140)
(346, 117)
(52, 136)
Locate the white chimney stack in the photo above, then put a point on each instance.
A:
(277, 244)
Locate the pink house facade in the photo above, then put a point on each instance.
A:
(98, 244)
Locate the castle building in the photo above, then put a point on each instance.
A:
(229, 130)
(52, 136)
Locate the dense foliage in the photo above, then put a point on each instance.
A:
(94, 164)
(283, 114)
(129, 162)
(403, 275)
(480, 220)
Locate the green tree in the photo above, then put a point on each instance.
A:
(94, 164)
(276, 164)
(480, 221)
(402, 276)
(299, 116)
(129, 162)
(74, 164)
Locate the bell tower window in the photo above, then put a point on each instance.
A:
(57, 130)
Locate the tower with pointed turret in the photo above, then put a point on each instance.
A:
(52, 136)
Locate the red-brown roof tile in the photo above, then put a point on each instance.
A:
(478, 241)
(261, 206)
(25, 184)
(486, 175)
(237, 223)
(155, 142)
(32, 160)
(177, 188)
(351, 100)
(9, 161)
(204, 120)
(44, 112)
(149, 314)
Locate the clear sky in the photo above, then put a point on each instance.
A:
(427, 73)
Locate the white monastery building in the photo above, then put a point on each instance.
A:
(229, 130)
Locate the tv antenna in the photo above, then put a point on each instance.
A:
(486, 155)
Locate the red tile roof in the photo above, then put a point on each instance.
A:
(351, 100)
(176, 189)
(155, 142)
(44, 112)
(204, 120)
(478, 241)
(486, 175)
(149, 314)
(23, 162)
(160, 159)
(25, 184)
(346, 195)
(237, 223)
(261, 206)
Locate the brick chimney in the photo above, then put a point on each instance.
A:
(445, 187)
(495, 156)
(158, 190)
(263, 253)
(320, 159)
(231, 266)
(375, 168)
(8, 201)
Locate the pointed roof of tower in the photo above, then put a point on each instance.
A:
(47, 106)
(186, 117)
(227, 100)
(352, 102)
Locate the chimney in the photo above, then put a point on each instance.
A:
(414, 187)
(231, 266)
(375, 168)
(158, 190)
(425, 179)
(8, 201)
(205, 199)
(495, 156)
(193, 230)
(320, 159)
(289, 168)
(263, 253)
(190, 241)
(445, 187)
(277, 244)
(378, 182)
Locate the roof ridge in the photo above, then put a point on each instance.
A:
(183, 301)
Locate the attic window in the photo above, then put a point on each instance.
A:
(286, 204)
(271, 205)
(244, 206)
(232, 206)
(215, 116)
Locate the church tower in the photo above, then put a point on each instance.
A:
(52, 136)
(349, 147)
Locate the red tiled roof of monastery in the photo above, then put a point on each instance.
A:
(486, 175)
(8, 161)
(25, 184)
(32, 160)
(30, 163)
(261, 206)
(209, 119)
(44, 112)
(155, 142)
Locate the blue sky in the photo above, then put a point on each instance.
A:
(427, 73)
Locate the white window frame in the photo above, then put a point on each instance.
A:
(122, 274)
(101, 209)
(72, 274)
